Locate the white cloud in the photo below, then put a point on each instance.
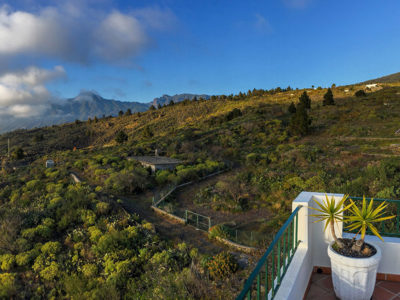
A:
(24, 94)
(120, 35)
(79, 34)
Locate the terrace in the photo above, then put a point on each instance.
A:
(296, 264)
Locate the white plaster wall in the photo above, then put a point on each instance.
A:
(314, 243)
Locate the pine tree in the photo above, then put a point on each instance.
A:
(328, 98)
(300, 122)
(120, 113)
(128, 112)
(152, 107)
(121, 137)
(159, 106)
(292, 108)
(147, 132)
(305, 100)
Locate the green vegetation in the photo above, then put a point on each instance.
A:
(59, 239)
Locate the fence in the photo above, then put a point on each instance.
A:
(389, 227)
(272, 266)
(171, 189)
(199, 221)
(248, 238)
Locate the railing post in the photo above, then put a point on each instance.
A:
(297, 225)
(278, 261)
(289, 242)
(272, 273)
(284, 252)
(398, 218)
(266, 279)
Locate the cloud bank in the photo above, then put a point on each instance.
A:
(24, 94)
(80, 36)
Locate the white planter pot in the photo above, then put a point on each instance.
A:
(354, 278)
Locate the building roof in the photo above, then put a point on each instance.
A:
(156, 160)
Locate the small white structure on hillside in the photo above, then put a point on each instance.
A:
(50, 163)
(372, 85)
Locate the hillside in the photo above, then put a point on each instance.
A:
(166, 99)
(79, 235)
(392, 78)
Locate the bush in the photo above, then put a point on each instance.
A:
(102, 208)
(89, 270)
(50, 272)
(121, 137)
(7, 285)
(222, 265)
(7, 262)
(51, 249)
(26, 258)
(360, 93)
(219, 231)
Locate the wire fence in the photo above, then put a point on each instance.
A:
(247, 238)
(199, 221)
(202, 222)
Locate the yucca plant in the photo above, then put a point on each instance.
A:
(331, 212)
(363, 219)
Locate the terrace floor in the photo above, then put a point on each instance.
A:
(322, 288)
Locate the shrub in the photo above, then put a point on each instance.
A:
(7, 262)
(89, 270)
(360, 93)
(88, 217)
(7, 285)
(219, 231)
(121, 137)
(51, 249)
(222, 265)
(26, 258)
(102, 208)
(50, 272)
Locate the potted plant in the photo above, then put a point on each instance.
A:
(354, 263)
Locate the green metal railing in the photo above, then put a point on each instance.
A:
(267, 276)
(389, 227)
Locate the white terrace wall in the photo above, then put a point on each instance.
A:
(312, 250)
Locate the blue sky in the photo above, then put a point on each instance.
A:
(138, 50)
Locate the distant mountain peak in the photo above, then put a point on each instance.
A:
(87, 96)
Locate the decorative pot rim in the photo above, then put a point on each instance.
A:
(356, 261)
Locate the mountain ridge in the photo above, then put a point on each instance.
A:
(87, 104)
